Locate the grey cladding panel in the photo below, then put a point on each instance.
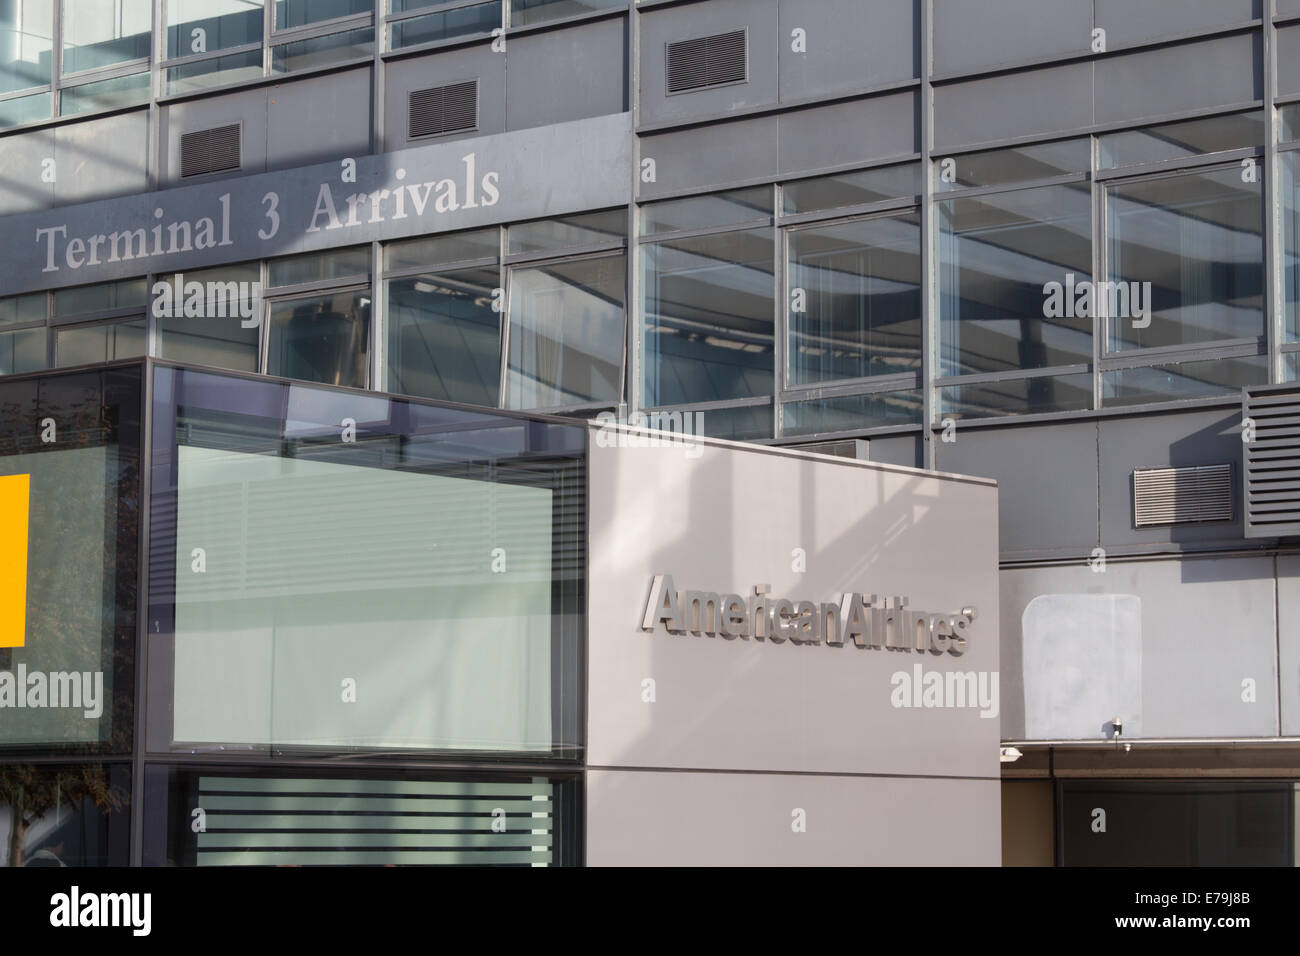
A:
(1288, 58)
(1135, 21)
(711, 156)
(856, 132)
(1055, 99)
(247, 109)
(971, 36)
(851, 45)
(1288, 633)
(561, 75)
(1188, 76)
(102, 158)
(318, 119)
(21, 156)
(477, 63)
(896, 450)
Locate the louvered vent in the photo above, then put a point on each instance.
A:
(443, 109)
(1181, 495)
(848, 448)
(707, 61)
(210, 150)
(1271, 461)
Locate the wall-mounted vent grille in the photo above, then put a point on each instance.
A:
(1271, 461)
(1180, 495)
(210, 150)
(443, 109)
(707, 61)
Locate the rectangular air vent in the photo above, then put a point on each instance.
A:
(1181, 495)
(1270, 454)
(707, 61)
(210, 150)
(443, 109)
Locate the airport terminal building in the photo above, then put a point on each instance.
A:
(331, 531)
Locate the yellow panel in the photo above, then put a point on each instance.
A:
(14, 493)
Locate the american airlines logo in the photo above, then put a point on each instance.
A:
(865, 620)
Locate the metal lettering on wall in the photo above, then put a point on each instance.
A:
(528, 174)
(862, 619)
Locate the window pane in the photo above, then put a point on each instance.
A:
(316, 266)
(105, 94)
(25, 109)
(81, 501)
(1017, 165)
(860, 289)
(704, 212)
(85, 299)
(1190, 248)
(74, 815)
(22, 351)
(1290, 193)
(535, 11)
(443, 337)
(442, 250)
(297, 13)
(851, 413)
(100, 33)
(217, 71)
(1058, 393)
(224, 333)
(848, 189)
(26, 44)
(87, 344)
(384, 818)
(708, 318)
(324, 338)
(321, 51)
(462, 21)
(1290, 366)
(22, 308)
(566, 333)
(553, 235)
(1166, 383)
(999, 257)
(205, 26)
(1175, 140)
(740, 423)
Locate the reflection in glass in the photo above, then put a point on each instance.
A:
(443, 337)
(104, 94)
(568, 232)
(998, 256)
(17, 309)
(1290, 193)
(708, 318)
(323, 338)
(105, 297)
(25, 109)
(317, 266)
(1290, 366)
(463, 21)
(26, 44)
(322, 51)
(1196, 238)
(1175, 140)
(1020, 396)
(223, 24)
(535, 11)
(57, 815)
(88, 344)
(298, 13)
(226, 334)
(848, 189)
(852, 412)
(705, 212)
(860, 312)
(22, 351)
(99, 33)
(217, 71)
(1166, 383)
(431, 251)
(566, 333)
(1020, 164)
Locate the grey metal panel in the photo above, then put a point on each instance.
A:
(1287, 8)
(1164, 441)
(860, 131)
(1133, 21)
(247, 108)
(660, 27)
(971, 36)
(1047, 481)
(102, 158)
(1055, 99)
(568, 74)
(439, 69)
(644, 818)
(1187, 76)
(317, 119)
(732, 519)
(21, 158)
(711, 155)
(1288, 58)
(896, 450)
(850, 45)
(1288, 633)
(1202, 626)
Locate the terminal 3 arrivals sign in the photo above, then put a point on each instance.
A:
(469, 183)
